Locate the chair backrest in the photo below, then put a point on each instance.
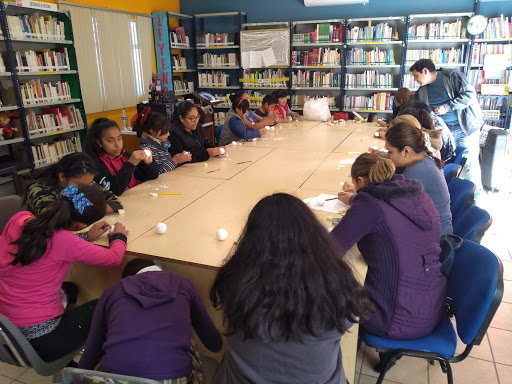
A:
(460, 156)
(15, 349)
(462, 194)
(218, 130)
(84, 376)
(475, 286)
(473, 225)
(9, 205)
(450, 171)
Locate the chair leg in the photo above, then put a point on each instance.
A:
(388, 364)
(449, 372)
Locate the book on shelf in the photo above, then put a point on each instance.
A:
(308, 78)
(275, 78)
(477, 77)
(324, 33)
(226, 102)
(219, 117)
(35, 27)
(409, 82)
(213, 39)
(48, 153)
(435, 31)
(42, 60)
(369, 79)
(382, 101)
(178, 37)
(213, 79)
(298, 101)
(317, 57)
(378, 32)
(36, 92)
(498, 28)
(482, 49)
(217, 60)
(181, 85)
(178, 63)
(360, 56)
(54, 120)
(2, 65)
(438, 56)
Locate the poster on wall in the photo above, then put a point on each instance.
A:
(162, 49)
(265, 48)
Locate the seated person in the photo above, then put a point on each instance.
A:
(76, 168)
(283, 113)
(142, 325)
(187, 134)
(36, 254)
(397, 230)
(402, 97)
(252, 120)
(234, 127)
(118, 170)
(288, 296)
(268, 104)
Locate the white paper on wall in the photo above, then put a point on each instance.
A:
(260, 41)
(268, 57)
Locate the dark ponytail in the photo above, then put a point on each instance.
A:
(147, 120)
(280, 93)
(239, 103)
(32, 244)
(94, 134)
(404, 134)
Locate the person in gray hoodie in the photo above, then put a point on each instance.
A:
(451, 96)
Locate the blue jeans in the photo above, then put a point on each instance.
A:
(472, 143)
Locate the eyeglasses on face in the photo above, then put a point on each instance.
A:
(192, 118)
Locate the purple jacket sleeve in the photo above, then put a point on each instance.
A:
(359, 220)
(203, 324)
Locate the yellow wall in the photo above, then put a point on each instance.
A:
(138, 6)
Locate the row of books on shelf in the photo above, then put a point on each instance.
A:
(178, 37)
(369, 79)
(309, 78)
(438, 55)
(482, 49)
(298, 101)
(213, 39)
(181, 85)
(213, 79)
(440, 30)
(48, 153)
(324, 33)
(317, 56)
(55, 119)
(178, 62)
(265, 78)
(360, 56)
(36, 92)
(488, 103)
(382, 101)
(216, 60)
(218, 118)
(378, 32)
(477, 77)
(42, 60)
(498, 28)
(35, 27)
(409, 81)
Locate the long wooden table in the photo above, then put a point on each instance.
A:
(305, 159)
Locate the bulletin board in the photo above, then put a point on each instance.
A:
(265, 48)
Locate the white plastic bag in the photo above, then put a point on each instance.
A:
(317, 110)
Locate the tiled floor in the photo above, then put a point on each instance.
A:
(489, 363)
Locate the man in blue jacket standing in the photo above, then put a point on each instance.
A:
(453, 98)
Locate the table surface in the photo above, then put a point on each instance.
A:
(305, 158)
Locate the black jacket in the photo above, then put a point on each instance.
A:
(118, 183)
(194, 142)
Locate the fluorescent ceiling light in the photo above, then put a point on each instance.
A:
(320, 3)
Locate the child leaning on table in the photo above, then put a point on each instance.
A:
(118, 170)
(153, 130)
(283, 112)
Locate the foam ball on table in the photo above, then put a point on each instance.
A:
(147, 152)
(205, 165)
(121, 212)
(222, 234)
(376, 134)
(153, 194)
(320, 201)
(161, 228)
(267, 128)
(111, 230)
(222, 151)
(234, 143)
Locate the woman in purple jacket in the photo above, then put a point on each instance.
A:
(397, 229)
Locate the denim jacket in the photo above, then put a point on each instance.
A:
(463, 99)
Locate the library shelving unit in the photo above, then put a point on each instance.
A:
(39, 77)
(183, 58)
(374, 59)
(218, 53)
(440, 37)
(496, 39)
(317, 59)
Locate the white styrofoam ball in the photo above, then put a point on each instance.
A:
(320, 201)
(205, 165)
(161, 228)
(272, 128)
(121, 212)
(376, 134)
(222, 151)
(153, 194)
(222, 234)
(267, 128)
(147, 152)
(111, 230)
(254, 139)
(234, 143)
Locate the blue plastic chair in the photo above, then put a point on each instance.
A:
(462, 195)
(460, 156)
(473, 225)
(218, 130)
(474, 292)
(450, 171)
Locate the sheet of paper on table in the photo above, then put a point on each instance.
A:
(332, 206)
